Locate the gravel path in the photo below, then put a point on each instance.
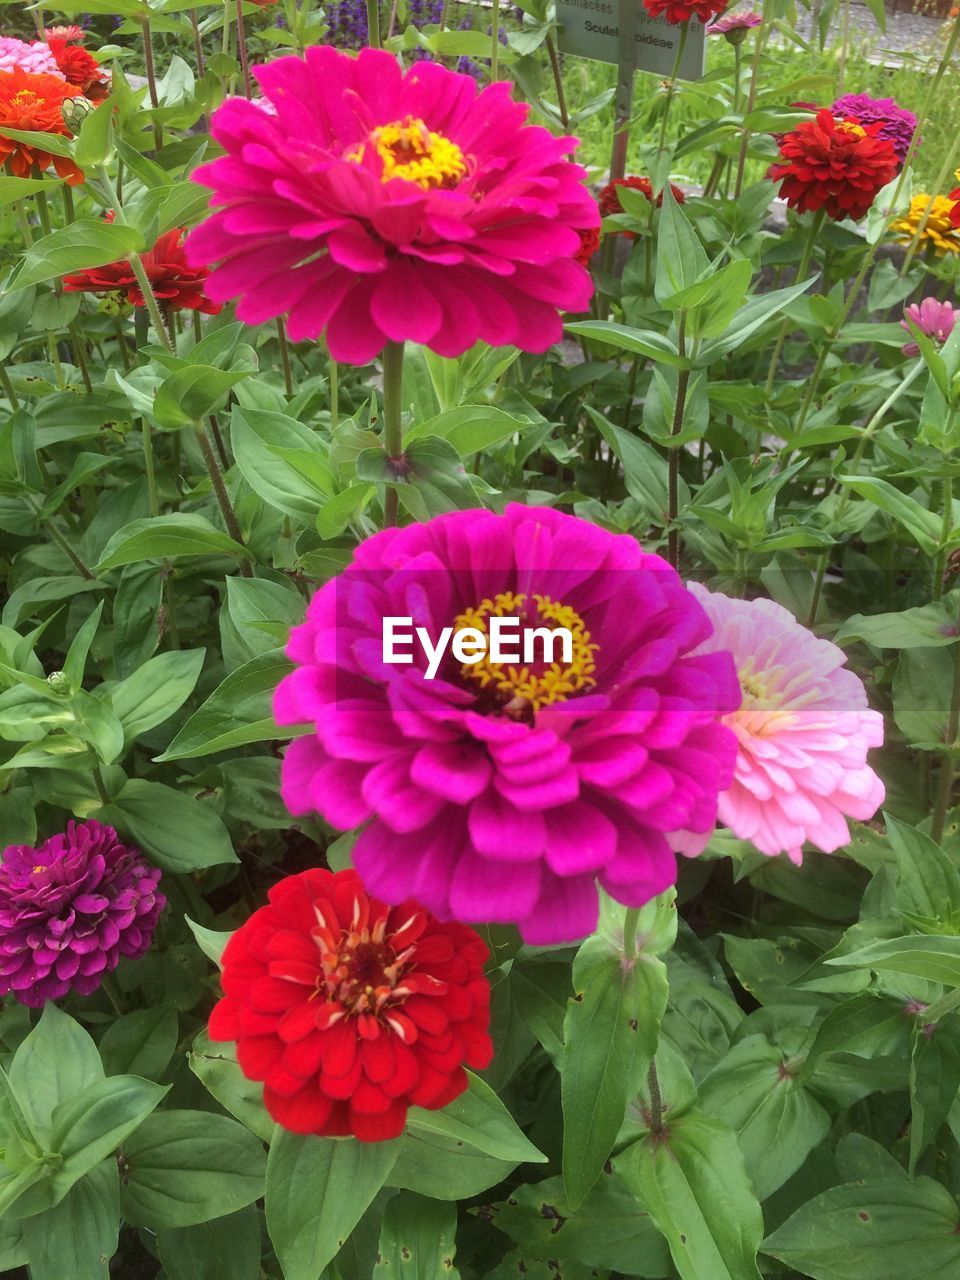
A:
(906, 32)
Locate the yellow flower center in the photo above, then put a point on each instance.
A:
(409, 150)
(525, 688)
(851, 129)
(37, 869)
(24, 96)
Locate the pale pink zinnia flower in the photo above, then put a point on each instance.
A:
(36, 58)
(934, 320)
(803, 732)
(376, 205)
(735, 25)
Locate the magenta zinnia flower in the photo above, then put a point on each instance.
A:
(803, 732)
(37, 58)
(70, 909)
(376, 205)
(502, 792)
(933, 318)
(735, 25)
(898, 124)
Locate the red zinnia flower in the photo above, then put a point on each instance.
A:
(80, 68)
(837, 165)
(34, 103)
(955, 211)
(177, 286)
(609, 198)
(589, 244)
(677, 12)
(351, 1011)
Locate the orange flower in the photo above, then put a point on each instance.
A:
(34, 103)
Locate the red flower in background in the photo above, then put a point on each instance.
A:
(955, 211)
(589, 244)
(677, 12)
(836, 165)
(80, 68)
(34, 103)
(177, 286)
(351, 1011)
(609, 198)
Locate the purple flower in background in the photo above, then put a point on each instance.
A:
(70, 909)
(934, 319)
(899, 125)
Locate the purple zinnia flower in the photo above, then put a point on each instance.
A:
(899, 124)
(70, 909)
(498, 790)
(933, 318)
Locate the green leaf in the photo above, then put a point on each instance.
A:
(212, 942)
(14, 189)
(227, 1247)
(94, 142)
(238, 711)
(610, 1028)
(934, 1083)
(692, 1182)
(180, 833)
(922, 525)
(885, 1229)
(641, 342)
(156, 690)
(56, 1061)
(469, 428)
(681, 258)
(141, 1043)
(95, 1121)
(776, 1121)
(88, 242)
(317, 1191)
(256, 436)
(927, 626)
(216, 1065)
(184, 1167)
(165, 538)
(937, 959)
(186, 396)
(862, 1021)
(928, 885)
(77, 1237)
(418, 1240)
(477, 1119)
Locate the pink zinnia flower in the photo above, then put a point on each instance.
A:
(380, 206)
(803, 732)
(735, 25)
(36, 58)
(70, 909)
(502, 792)
(934, 319)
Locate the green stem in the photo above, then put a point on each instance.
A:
(284, 356)
(672, 88)
(8, 389)
(495, 41)
(373, 24)
(197, 45)
(945, 528)
(673, 461)
(945, 789)
(630, 922)
(558, 82)
(223, 498)
(334, 377)
(656, 1101)
(934, 1012)
(762, 33)
(242, 47)
(151, 71)
(802, 269)
(147, 437)
(61, 541)
(99, 783)
(392, 424)
(79, 355)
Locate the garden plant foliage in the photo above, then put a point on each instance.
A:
(645, 963)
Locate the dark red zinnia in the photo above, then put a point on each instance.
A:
(609, 198)
(351, 1011)
(836, 165)
(955, 211)
(177, 286)
(677, 12)
(589, 244)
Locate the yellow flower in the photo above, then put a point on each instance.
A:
(938, 233)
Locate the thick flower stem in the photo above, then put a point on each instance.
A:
(630, 922)
(284, 356)
(673, 462)
(373, 24)
(333, 374)
(152, 81)
(495, 41)
(392, 424)
(242, 48)
(762, 32)
(61, 541)
(223, 498)
(8, 389)
(802, 268)
(558, 82)
(197, 45)
(148, 467)
(672, 89)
